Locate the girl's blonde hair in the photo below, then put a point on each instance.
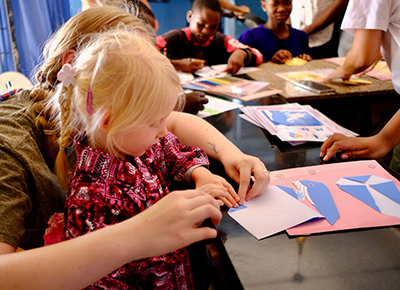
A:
(128, 78)
(70, 36)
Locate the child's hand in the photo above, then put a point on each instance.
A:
(236, 61)
(189, 65)
(195, 102)
(305, 57)
(215, 185)
(281, 56)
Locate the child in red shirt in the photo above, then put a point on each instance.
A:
(201, 44)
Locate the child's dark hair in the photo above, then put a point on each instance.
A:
(145, 12)
(210, 4)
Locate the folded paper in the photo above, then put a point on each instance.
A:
(276, 210)
(379, 193)
(320, 197)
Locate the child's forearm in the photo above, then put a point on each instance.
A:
(389, 135)
(192, 130)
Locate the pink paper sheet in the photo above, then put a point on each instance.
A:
(381, 70)
(354, 214)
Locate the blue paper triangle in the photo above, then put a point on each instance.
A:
(388, 189)
(288, 190)
(240, 207)
(362, 193)
(361, 179)
(322, 199)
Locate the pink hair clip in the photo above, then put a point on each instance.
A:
(89, 107)
(67, 75)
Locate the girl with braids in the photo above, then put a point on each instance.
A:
(114, 101)
(30, 192)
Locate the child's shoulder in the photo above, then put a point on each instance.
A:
(256, 32)
(174, 33)
(297, 31)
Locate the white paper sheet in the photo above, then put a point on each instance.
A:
(217, 106)
(272, 212)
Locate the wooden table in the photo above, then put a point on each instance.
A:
(291, 93)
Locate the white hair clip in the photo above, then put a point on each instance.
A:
(67, 75)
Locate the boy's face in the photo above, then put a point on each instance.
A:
(277, 10)
(203, 24)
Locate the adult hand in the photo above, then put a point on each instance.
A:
(281, 56)
(244, 169)
(195, 102)
(173, 222)
(353, 147)
(338, 73)
(236, 61)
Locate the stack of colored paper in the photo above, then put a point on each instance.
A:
(294, 123)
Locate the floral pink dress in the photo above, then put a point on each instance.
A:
(105, 190)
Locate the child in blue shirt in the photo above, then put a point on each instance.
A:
(276, 40)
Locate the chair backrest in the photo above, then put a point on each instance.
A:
(12, 80)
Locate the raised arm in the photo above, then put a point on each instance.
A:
(192, 130)
(234, 8)
(170, 224)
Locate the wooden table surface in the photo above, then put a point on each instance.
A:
(291, 93)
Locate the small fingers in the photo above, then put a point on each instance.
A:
(244, 181)
(261, 182)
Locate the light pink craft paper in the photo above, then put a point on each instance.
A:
(354, 214)
(381, 70)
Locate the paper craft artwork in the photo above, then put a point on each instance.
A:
(219, 70)
(292, 118)
(234, 87)
(353, 213)
(379, 193)
(294, 123)
(272, 212)
(320, 197)
(311, 75)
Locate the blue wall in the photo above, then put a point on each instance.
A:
(172, 15)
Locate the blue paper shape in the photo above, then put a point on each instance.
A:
(322, 199)
(388, 189)
(288, 190)
(240, 207)
(361, 178)
(362, 193)
(288, 118)
(300, 195)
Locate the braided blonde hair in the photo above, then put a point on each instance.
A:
(129, 79)
(70, 36)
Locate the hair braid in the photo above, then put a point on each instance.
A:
(66, 132)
